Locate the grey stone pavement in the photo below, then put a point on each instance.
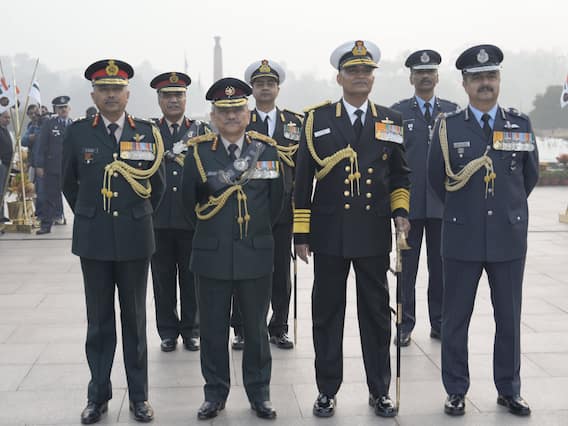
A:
(43, 373)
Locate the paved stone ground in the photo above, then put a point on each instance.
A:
(43, 373)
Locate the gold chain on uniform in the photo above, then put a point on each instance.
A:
(131, 174)
(328, 163)
(456, 181)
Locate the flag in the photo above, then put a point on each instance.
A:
(35, 94)
(7, 95)
(564, 94)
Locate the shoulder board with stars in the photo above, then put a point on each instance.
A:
(322, 104)
(452, 113)
(142, 120)
(77, 120)
(259, 136)
(207, 137)
(517, 113)
(296, 114)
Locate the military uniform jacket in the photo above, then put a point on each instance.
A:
(126, 231)
(219, 251)
(477, 227)
(423, 202)
(341, 223)
(50, 146)
(287, 132)
(171, 212)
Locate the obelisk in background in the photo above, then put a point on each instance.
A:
(217, 60)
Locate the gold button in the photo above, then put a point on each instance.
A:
(175, 173)
(368, 181)
(368, 195)
(367, 207)
(115, 194)
(346, 193)
(115, 213)
(370, 170)
(174, 189)
(346, 181)
(347, 206)
(347, 168)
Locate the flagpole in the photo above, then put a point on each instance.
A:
(28, 96)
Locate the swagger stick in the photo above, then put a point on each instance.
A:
(401, 244)
(295, 261)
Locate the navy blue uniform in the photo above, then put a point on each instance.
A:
(484, 228)
(425, 214)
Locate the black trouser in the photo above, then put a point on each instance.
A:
(170, 264)
(410, 260)
(100, 278)
(373, 313)
(461, 279)
(281, 284)
(215, 307)
(52, 207)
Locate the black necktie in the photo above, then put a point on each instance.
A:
(175, 131)
(112, 128)
(358, 123)
(265, 125)
(232, 148)
(427, 113)
(486, 127)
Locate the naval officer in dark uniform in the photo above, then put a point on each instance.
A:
(113, 180)
(173, 230)
(418, 114)
(284, 127)
(232, 183)
(483, 164)
(354, 149)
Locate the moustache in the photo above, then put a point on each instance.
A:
(485, 89)
(425, 80)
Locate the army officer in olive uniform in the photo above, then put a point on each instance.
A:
(113, 179)
(232, 182)
(172, 227)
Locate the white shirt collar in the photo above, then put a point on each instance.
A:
(271, 119)
(120, 122)
(179, 123)
(239, 144)
(350, 109)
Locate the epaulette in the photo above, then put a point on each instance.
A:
(79, 119)
(296, 114)
(322, 104)
(207, 137)
(452, 113)
(142, 120)
(255, 135)
(517, 113)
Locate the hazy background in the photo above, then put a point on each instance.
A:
(156, 36)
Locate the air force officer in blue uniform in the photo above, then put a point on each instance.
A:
(483, 164)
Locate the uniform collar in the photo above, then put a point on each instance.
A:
(350, 109)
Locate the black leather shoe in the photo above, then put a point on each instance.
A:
(263, 409)
(238, 342)
(142, 411)
(324, 406)
(93, 412)
(435, 334)
(404, 339)
(191, 344)
(282, 341)
(42, 231)
(383, 405)
(455, 405)
(168, 345)
(516, 405)
(210, 409)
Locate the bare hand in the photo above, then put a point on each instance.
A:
(303, 251)
(402, 225)
(39, 172)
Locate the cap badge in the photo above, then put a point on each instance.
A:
(482, 56)
(111, 68)
(264, 67)
(359, 49)
(174, 78)
(425, 58)
(229, 91)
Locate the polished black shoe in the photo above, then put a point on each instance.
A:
(93, 412)
(191, 344)
(238, 342)
(263, 409)
(516, 405)
(383, 405)
(435, 334)
(404, 339)
(324, 406)
(210, 409)
(282, 341)
(455, 405)
(42, 231)
(168, 345)
(142, 411)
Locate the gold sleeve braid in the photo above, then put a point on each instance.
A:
(302, 221)
(400, 199)
(131, 174)
(328, 163)
(456, 181)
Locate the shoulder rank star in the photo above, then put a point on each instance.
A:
(387, 121)
(138, 137)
